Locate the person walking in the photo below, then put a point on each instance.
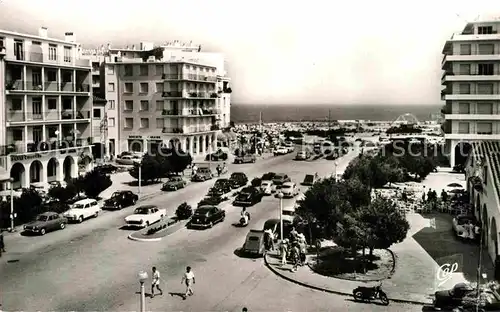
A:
(284, 251)
(189, 280)
(155, 283)
(295, 255)
(2, 244)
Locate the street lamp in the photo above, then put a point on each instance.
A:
(11, 182)
(280, 196)
(139, 163)
(335, 170)
(143, 276)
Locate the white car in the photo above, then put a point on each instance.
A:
(82, 210)
(267, 187)
(144, 216)
(289, 189)
(280, 150)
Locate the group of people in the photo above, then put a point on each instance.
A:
(187, 278)
(294, 248)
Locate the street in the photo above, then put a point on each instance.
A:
(93, 266)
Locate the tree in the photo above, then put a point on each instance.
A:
(94, 182)
(28, 205)
(178, 159)
(63, 194)
(151, 169)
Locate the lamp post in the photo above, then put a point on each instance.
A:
(335, 170)
(280, 196)
(139, 163)
(11, 182)
(143, 276)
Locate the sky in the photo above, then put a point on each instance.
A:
(281, 52)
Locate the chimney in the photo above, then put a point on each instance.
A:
(70, 37)
(43, 32)
(133, 47)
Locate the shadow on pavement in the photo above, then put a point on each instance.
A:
(241, 254)
(136, 183)
(27, 233)
(375, 302)
(180, 295)
(148, 295)
(128, 228)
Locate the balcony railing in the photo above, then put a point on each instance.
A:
(190, 112)
(52, 144)
(19, 85)
(193, 77)
(38, 57)
(172, 94)
(173, 130)
(192, 94)
(50, 115)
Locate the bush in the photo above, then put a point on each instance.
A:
(28, 205)
(94, 182)
(184, 211)
(256, 182)
(63, 194)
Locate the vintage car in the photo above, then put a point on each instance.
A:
(120, 200)
(279, 179)
(211, 200)
(248, 196)
(464, 296)
(206, 217)
(269, 176)
(106, 168)
(225, 185)
(274, 226)
(288, 213)
(173, 184)
(309, 179)
(289, 189)
(238, 179)
(254, 243)
(464, 226)
(244, 159)
(82, 210)
(290, 147)
(45, 222)
(219, 155)
(128, 160)
(302, 155)
(144, 216)
(202, 174)
(267, 187)
(280, 150)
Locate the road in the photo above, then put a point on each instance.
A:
(93, 266)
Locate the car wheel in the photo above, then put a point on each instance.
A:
(42, 232)
(134, 201)
(120, 207)
(211, 225)
(63, 226)
(96, 214)
(147, 223)
(80, 219)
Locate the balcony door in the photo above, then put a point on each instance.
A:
(37, 134)
(37, 108)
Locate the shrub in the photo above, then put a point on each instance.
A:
(94, 182)
(62, 194)
(184, 211)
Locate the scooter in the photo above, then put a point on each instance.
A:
(244, 221)
(370, 293)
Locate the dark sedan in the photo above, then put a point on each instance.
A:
(224, 185)
(238, 179)
(452, 298)
(174, 183)
(279, 179)
(120, 200)
(249, 196)
(46, 222)
(211, 201)
(207, 217)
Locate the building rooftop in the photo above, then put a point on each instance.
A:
(42, 36)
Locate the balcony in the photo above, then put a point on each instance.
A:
(470, 97)
(38, 57)
(190, 77)
(173, 130)
(470, 77)
(473, 117)
(469, 58)
(14, 117)
(471, 136)
(51, 145)
(172, 94)
(26, 86)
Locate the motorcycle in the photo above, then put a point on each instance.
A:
(370, 293)
(244, 220)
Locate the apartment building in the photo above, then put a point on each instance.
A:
(471, 88)
(47, 103)
(165, 95)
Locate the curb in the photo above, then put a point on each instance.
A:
(336, 292)
(176, 227)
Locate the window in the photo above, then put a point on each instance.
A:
(486, 49)
(484, 88)
(67, 104)
(484, 108)
(160, 105)
(463, 108)
(159, 70)
(111, 104)
(484, 128)
(129, 123)
(159, 123)
(464, 69)
(129, 87)
(111, 122)
(464, 88)
(129, 70)
(144, 87)
(52, 104)
(485, 69)
(144, 105)
(52, 52)
(97, 113)
(465, 49)
(159, 87)
(144, 70)
(67, 54)
(129, 105)
(17, 104)
(463, 127)
(144, 123)
(111, 87)
(67, 77)
(110, 69)
(485, 30)
(51, 75)
(17, 135)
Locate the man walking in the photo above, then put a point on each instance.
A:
(189, 280)
(155, 283)
(2, 244)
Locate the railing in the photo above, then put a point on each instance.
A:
(194, 77)
(39, 57)
(173, 94)
(172, 130)
(51, 145)
(19, 85)
(21, 116)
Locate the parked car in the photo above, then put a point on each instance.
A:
(173, 184)
(128, 160)
(460, 223)
(267, 187)
(238, 179)
(46, 222)
(207, 217)
(219, 155)
(289, 189)
(254, 243)
(224, 185)
(203, 174)
(82, 210)
(280, 150)
(309, 179)
(120, 200)
(453, 298)
(279, 179)
(268, 176)
(244, 159)
(106, 168)
(274, 226)
(211, 201)
(288, 212)
(144, 216)
(248, 196)
(302, 155)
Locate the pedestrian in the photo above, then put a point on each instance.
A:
(155, 283)
(219, 169)
(283, 251)
(189, 280)
(2, 244)
(295, 255)
(294, 234)
(194, 169)
(444, 196)
(268, 239)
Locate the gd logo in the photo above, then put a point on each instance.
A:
(445, 271)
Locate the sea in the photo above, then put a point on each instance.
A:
(248, 113)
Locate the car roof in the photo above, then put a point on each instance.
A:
(147, 207)
(48, 213)
(205, 208)
(288, 184)
(272, 222)
(85, 201)
(279, 175)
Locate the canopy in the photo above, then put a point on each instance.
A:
(454, 185)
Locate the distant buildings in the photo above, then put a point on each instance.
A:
(46, 105)
(471, 77)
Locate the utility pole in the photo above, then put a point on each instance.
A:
(329, 119)
(104, 134)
